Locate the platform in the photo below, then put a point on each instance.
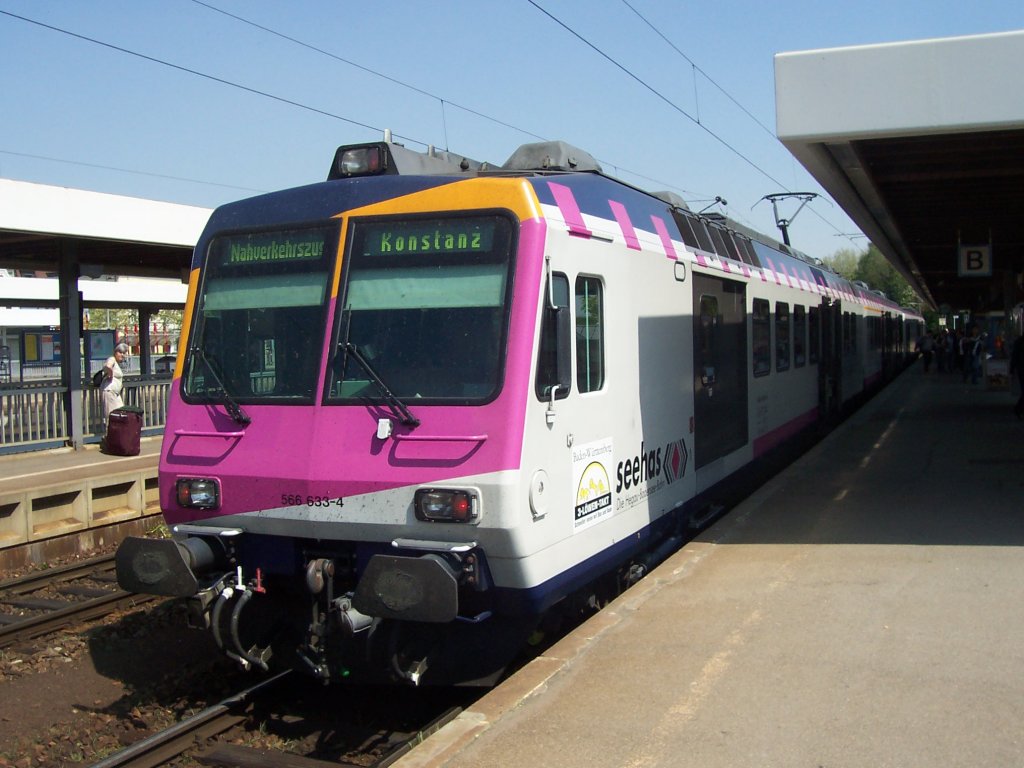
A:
(46, 496)
(864, 608)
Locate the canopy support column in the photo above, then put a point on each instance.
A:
(71, 348)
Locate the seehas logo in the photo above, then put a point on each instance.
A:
(667, 463)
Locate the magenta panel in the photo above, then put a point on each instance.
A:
(332, 451)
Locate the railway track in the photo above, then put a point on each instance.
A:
(46, 601)
(171, 742)
(192, 733)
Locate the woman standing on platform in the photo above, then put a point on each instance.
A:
(112, 381)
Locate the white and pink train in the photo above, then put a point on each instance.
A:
(425, 404)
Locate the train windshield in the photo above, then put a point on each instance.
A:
(425, 308)
(260, 310)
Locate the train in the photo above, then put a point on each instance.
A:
(426, 405)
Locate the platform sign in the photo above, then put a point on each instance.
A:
(975, 261)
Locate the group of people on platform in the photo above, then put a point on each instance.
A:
(953, 351)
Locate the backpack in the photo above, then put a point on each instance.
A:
(98, 377)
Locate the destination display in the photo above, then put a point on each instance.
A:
(272, 248)
(454, 236)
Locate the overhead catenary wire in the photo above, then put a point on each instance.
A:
(128, 170)
(696, 68)
(280, 99)
(441, 101)
(693, 118)
(643, 83)
(213, 78)
(275, 97)
(368, 70)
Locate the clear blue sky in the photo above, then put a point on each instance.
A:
(478, 77)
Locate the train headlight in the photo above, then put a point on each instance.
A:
(360, 161)
(439, 505)
(198, 493)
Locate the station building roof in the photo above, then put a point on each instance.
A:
(922, 143)
(109, 234)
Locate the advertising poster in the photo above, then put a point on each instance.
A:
(99, 344)
(592, 470)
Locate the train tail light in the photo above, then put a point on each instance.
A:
(445, 506)
(198, 493)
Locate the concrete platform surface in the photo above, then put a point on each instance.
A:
(864, 608)
(65, 464)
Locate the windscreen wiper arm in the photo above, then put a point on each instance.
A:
(233, 408)
(407, 418)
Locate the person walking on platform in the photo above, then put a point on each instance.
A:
(973, 348)
(942, 350)
(112, 381)
(926, 346)
(1017, 366)
(957, 348)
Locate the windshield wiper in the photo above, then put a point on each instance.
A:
(234, 409)
(407, 418)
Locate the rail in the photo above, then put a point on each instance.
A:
(46, 601)
(32, 414)
(174, 741)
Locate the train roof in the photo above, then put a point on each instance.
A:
(387, 158)
(410, 171)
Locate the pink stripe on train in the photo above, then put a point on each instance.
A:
(569, 209)
(622, 217)
(778, 436)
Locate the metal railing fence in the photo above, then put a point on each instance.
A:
(33, 417)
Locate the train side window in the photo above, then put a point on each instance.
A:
(703, 238)
(799, 336)
(547, 354)
(762, 337)
(814, 333)
(747, 248)
(685, 229)
(719, 241)
(741, 246)
(781, 336)
(724, 239)
(589, 334)
(847, 334)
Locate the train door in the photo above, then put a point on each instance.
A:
(888, 343)
(571, 389)
(719, 368)
(830, 368)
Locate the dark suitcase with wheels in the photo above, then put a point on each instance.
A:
(124, 432)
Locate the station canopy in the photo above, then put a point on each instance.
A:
(105, 234)
(922, 144)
